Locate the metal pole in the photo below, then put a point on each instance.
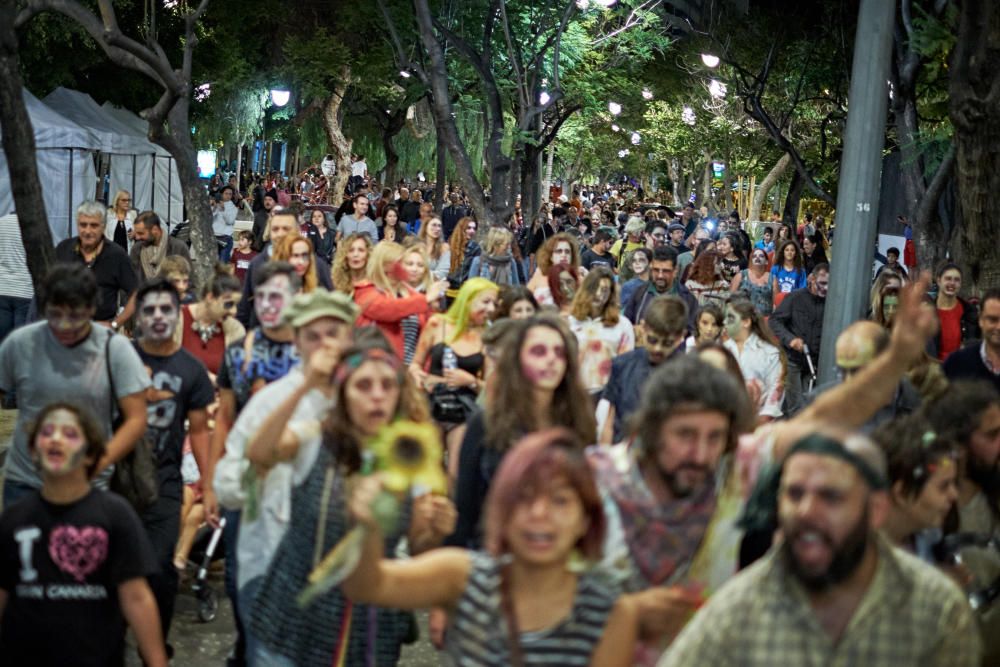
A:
(860, 172)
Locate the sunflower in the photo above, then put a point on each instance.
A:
(408, 453)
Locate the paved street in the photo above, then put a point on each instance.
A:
(198, 644)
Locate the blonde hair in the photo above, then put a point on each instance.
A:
(119, 195)
(341, 273)
(438, 248)
(425, 282)
(283, 252)
(497, 238)
(382, 257)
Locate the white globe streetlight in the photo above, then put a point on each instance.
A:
(635, 138)
(647, 94)
(614, 128)
(614, 108)
(709, 60)
(544, 98)
(280, 97)
(405, 73)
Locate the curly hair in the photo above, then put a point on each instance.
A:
(705, 268)
(283, 252)
(689, 384)
(459, 241)
(544, 254)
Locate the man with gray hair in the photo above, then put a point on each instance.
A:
(833, 590)
(108, 262)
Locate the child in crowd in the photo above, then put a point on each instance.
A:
(177, 271)
(709, 326)
(73, 559)
(243, 254)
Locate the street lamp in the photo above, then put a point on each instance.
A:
(647, 94)
(405, 73)
(279, 97)
(614, 127)
(710, 60)
(614, 108)
(635, 138)
(544, 98)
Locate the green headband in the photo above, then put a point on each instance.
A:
(761, 510)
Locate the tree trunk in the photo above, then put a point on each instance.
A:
(975, 113)
(790, 216)
(177, 141)
(19, 147)
(442, 174)
(340, 146)
(759, 197)
(531, 179)
(706, 182)
(444, 121)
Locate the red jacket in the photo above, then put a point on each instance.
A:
(387, 312)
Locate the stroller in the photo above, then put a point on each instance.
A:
(203, 552)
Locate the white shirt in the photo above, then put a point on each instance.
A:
(760, 363)
(359, 168)
(259, 538)
(223, 219)
(15, 280)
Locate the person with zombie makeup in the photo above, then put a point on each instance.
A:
(759, 354)
(519, 601)
(75, 559)
(638, 264)
(65, 357)
(363, 388)
(833, 586)
(323, 325)
(389, 303)
(561, 248)
(108, 262)
(266, 354)
(922, 471)
(564, 280)
(756, 283)
(283, 223)
(540, 387)
(663, 279)
(673, 507)
(663, 329)
(178, 400)
(798, 324)
(601, 332)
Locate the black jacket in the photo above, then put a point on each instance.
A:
(969, 325)
(635, 309)
(800, 315)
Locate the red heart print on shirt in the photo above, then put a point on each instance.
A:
(78, 551)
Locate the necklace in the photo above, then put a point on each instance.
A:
(205, 331)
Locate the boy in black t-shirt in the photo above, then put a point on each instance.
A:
(73, 559)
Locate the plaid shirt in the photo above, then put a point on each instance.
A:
(912, 614)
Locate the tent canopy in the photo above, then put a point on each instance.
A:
(115, 137)
(63, 154)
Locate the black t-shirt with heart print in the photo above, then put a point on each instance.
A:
(61, 566)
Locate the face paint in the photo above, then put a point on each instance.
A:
(759, 259)
(543, 358)
(567, 285)
(157, 317)
(734, 325)
(60, 447)
(601, 296)
(270, 300)
(890, 305)
(69, 326)
(562, 254)
(639, 263)
(822, 284)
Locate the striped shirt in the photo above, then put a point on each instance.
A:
(14, 277)
(478, 635)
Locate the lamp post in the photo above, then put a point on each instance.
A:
(860, 171)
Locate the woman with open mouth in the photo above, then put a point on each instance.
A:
(366, 390)
(528, 598)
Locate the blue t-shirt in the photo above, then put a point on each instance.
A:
(629, 373)
(789, 281)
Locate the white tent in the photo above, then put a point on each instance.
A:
(65, 167)
(167, 197)
(130, 152)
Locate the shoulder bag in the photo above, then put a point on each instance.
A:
(134, 477)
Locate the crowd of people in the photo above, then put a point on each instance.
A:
(640, 467)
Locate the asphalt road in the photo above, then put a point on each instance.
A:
(198, 644)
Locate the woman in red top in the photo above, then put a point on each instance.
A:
(958, 318)
(208, 326)
(388, 302)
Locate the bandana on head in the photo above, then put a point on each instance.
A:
(351, 363)
(761, 510)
